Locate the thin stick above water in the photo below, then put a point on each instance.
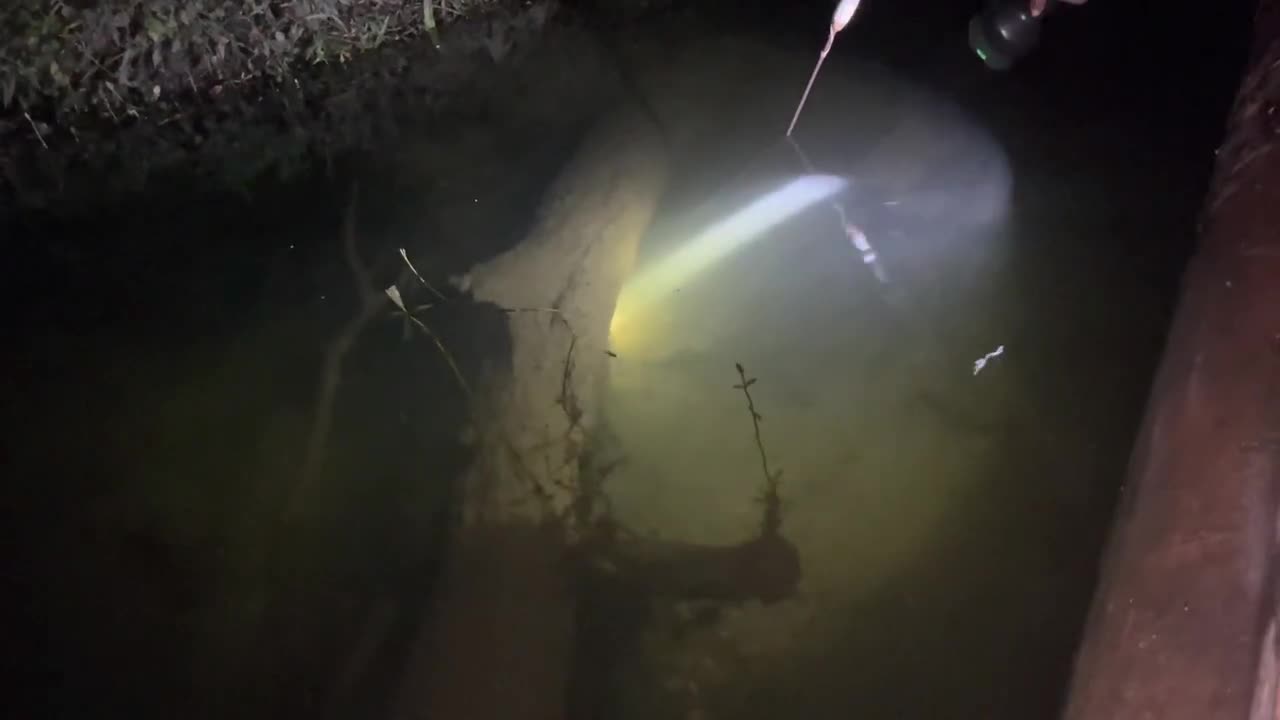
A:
(839, 20)
(822, 56)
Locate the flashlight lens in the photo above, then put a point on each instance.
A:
(1004, 33)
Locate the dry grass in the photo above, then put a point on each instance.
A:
(117, 57)
(110, 93)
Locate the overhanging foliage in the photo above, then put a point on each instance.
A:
(129, 88)
(115, 57)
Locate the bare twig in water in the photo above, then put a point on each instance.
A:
(371, 303)
(404, 254)
(568, 400)
(36, 128)
(393, 292)
(770, 497)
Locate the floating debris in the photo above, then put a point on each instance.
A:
(981, 362)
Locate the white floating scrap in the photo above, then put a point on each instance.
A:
(982, 361)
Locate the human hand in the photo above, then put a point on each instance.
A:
(1038, 6)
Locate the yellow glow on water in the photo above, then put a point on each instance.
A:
(623, 332)
(638, 320)
(645, 335)
(618, 328)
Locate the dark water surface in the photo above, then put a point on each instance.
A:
(161, 369)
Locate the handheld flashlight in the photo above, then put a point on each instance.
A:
(1006, 31)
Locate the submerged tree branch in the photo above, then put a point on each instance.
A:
(772, 501)
(370, 304)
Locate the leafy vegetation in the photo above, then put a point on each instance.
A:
(120, 57)
(134, 87)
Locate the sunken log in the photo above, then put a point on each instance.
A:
(1184, 623)
(498, 644)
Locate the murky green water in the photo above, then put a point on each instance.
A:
(948, 523)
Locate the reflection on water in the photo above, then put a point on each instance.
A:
(948, 523)
(926, 501)
(652, 285)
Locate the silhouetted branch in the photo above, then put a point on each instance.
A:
(770, 498)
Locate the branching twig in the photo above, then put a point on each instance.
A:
(394, 293)
(479, 414)
(772, 501)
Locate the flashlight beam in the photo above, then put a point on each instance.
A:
(724, 237)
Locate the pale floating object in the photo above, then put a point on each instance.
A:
(981, 362)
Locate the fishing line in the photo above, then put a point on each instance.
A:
(839, 20)
(856, 236)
